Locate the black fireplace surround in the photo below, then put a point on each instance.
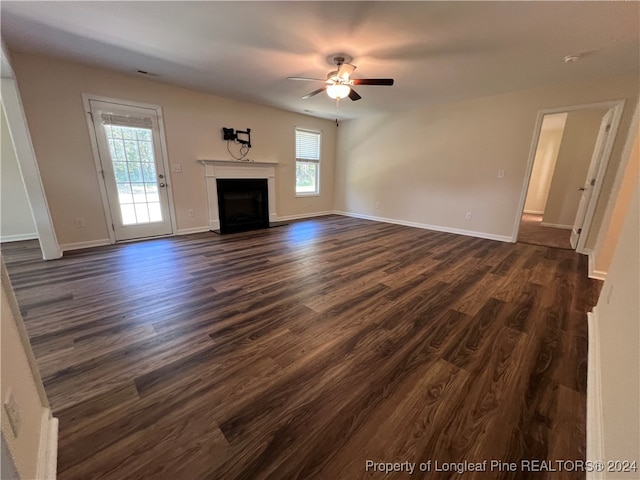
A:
(243, 204)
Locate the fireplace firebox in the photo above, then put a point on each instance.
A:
(243, 204)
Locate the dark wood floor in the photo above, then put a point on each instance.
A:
(305, 350)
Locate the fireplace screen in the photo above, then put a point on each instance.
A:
(243, 204)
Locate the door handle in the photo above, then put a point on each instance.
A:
(162, 185)
(582, 189)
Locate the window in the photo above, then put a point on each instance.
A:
(307, 162)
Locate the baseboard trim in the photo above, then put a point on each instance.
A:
(595, 424)
(593, 273)
(18, 238)
(556, 225)
(187, 231)
(286, 218)
(65, 247)
(437, 228)
(48, 451)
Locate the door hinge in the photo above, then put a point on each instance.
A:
(91, 114)
(102, 173)
(608, 127)
(113, 228)
(579, 231)
(593, 182)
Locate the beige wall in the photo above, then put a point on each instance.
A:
(618, 317)
(16, 220)
(620, 205)
(572, 165)
(193, 123)
(432, 165)
(27, 448)
(544, 164)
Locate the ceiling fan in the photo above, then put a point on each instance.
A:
(339, 83)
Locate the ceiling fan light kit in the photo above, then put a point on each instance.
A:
(338, 91)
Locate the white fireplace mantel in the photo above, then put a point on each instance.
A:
(214, 169)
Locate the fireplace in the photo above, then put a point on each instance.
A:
(215, 170)
(243, 204)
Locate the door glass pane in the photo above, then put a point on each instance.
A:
(143, 134)
(116, 146)
(131, 151)
(113, 132)
(121, 172)
(146, 151)
(128, 132)
(134, 167)
(142, 213)
(148, 172)
(139, 194)
(128, 214)
(155, 213)
(152, 192)
(124, 193)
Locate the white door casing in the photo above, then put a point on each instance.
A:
(132, 168)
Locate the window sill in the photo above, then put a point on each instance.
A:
(307, 194)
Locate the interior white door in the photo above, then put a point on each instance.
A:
(128, 141)
(594, 167)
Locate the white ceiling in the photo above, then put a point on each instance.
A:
(436, 51)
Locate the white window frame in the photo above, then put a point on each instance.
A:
(315, 193)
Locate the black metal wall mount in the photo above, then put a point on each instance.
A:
(242, 137)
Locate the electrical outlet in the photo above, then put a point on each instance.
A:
(468, 216)
(500, 173)
(377, 205)
(176, 167)
(13, 413)
(79, 222)
(191, 212)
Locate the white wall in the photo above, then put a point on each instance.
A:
(431, 166)
(618, 319)
(544, 162)
(16, 220)
(193, 123)
(33, 446)
(572, 165)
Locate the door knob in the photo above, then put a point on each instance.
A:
(162, 185)
(160, 176)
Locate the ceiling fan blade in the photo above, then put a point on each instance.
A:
(353, 95)
(345, 70)
(315, 92)
(373, 81)
(307, 79)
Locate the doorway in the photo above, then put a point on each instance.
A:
(567, 163)
(132, 169)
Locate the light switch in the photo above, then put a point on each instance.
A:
(500, 173)
(13, 413)
(176, 167)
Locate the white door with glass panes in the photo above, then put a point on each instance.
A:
(128, 140)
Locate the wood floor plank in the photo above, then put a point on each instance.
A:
(304, 350)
